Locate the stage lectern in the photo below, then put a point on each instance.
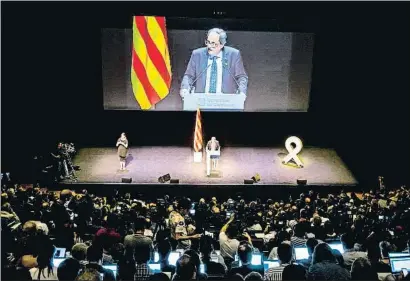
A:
(215, 156)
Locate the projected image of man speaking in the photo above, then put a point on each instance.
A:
(215, 68)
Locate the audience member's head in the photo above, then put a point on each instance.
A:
(185, 269)
(184, 204)
(282, 236)
(254, 276)
(245, 251)
(139, 224)
(112, 221)
(285, 253)
(339, 257)
(347, 240)
(30, 228)
(359, 222)
(79, 251)
(232, 231)
(68, 269)
(329, 229)
(142, 253)
(95, 254)
(362, 270)
(42, 228)
(196, 259)
(317, 221)
(164, 248)
(117, 251)
(65, 195)
(299, 230)
(206, 246)
(237, 277)
(310, 245)
(159, 277)
(294, 272)
(323, 253)
(385, 248)
(89, 274)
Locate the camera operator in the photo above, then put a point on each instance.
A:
(179, 230)
(58, 159)
(64, 166)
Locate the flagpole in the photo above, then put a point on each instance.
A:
(198, 139)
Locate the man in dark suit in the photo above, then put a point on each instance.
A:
(213, 145)
(215, 68)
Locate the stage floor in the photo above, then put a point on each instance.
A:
(322, 166)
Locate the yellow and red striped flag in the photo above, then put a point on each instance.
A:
(151, 66)
(198, 141)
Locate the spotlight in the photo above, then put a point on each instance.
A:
(301, 181)
(164, 178)
(256, 178)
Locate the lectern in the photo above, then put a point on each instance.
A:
(210, 153)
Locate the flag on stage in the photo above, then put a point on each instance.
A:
(198, 141)
(151, 66)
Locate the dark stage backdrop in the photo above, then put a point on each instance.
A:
(52, 88)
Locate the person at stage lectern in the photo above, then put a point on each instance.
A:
(215, 68)
(122, 144)
(213, 145)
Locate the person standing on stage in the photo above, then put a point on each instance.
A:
(213, 145)
(122, 144)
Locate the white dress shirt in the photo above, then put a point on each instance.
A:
(219, 76)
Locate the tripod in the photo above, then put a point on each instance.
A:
(69, 168)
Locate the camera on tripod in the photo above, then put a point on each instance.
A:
(67, 151)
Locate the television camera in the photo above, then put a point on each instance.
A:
(67, 151)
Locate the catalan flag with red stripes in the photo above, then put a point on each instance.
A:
(151, 66)
(198, 139)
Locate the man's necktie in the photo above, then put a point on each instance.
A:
(214, 75)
